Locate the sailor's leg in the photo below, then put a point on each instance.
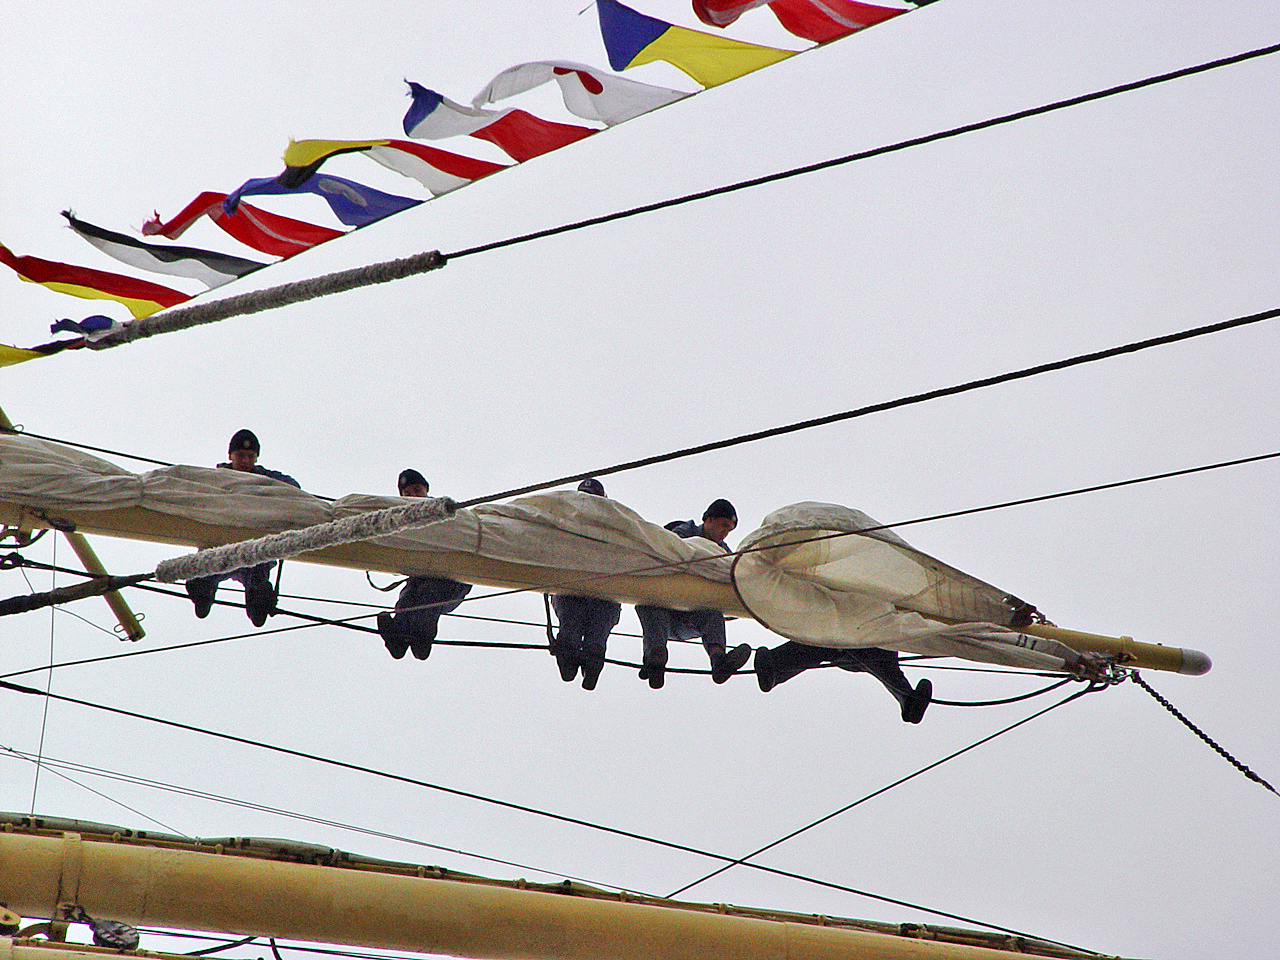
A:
(202, 591)
(883, 665)
(655, 628)
(566, 646)
(259, 594)
(786, 661)
(601, 619)
(709, 624)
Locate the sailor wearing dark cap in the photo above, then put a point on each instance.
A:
(423, 600)
(259, 594)
(585, 624)
(660, 624)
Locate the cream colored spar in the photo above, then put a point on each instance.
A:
(241, 891)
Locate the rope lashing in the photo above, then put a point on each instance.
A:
(281, 546)
(184, 317)
(90, 588)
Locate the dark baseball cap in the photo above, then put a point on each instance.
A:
(721, 508)
(244, 440)
(408, 478)
(592, 485)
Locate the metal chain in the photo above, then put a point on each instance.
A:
(1200, 733)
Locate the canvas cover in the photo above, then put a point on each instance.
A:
(812, 572)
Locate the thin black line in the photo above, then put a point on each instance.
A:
(192, 793)
(510, 805)
(795, 172)
(86, 446)
(1021, 374)
(867, 154)
(742, 861)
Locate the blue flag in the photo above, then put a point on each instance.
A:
(352, 203)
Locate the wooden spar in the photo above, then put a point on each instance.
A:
(119, 606)
(672, 589)
(1129, 653)
(124, 615)
(165, 882)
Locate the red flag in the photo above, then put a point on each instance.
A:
(142, 297)
(268, 232)
(818, 20)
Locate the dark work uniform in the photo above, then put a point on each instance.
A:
(784, 662)
(585, 625)
(259, 594)
(421, 604)
(660, 624)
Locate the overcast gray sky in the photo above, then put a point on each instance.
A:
(1105, 824)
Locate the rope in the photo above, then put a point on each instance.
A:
(279, 546)
(742, 861)
(23, 432)
(999, 703)
(1198, 732)
(1022, 374)
(867, 154)
(355, 954)
(220, 947)
(510, 805)
(44, 717)
(271, 298)
(94, 587)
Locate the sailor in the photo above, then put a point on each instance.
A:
(423, 600)
(660, 624)
(585, 624)
(259, 594)
(791, 658)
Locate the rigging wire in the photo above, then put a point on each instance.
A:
(44, 717)
(999, 703)
(547, 814)
(969, 511)
(626, 664)
(219, 947)
(187, 316)
(52, 766)
(867, 154)
(742, 861)
(797, 172)
(23, 432)
(1021, 374)
(193, 793)
(227, 941)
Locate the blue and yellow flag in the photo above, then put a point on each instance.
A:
(633, 38)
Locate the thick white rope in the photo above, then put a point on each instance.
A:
(181, 318)
(280, 546)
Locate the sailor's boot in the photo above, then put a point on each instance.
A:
(725, 665)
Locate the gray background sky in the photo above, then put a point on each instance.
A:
(1105, 824)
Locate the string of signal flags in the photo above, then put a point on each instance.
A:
(601, 97)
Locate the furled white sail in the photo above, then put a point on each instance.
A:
(813, 572)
